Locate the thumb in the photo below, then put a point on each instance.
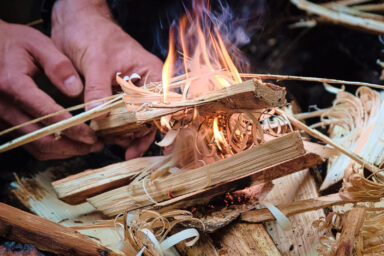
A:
(57, 66)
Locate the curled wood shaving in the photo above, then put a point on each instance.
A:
(354, 123)
(148, 232)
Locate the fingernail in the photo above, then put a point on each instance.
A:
(73, 85)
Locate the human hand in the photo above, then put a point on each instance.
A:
(23, 52)
(85, 32)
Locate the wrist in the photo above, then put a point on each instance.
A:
(72, 11)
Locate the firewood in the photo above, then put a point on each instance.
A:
(237, 239)
(48, 236)
(77, 188)
(351, 229)
(261, 162)
(251, 94)
(204, 195)
(296, 207)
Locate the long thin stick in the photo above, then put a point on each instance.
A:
(341, 18)
(326, 139)
(262, 215)
(62, 125)
(311, 79)
(55, 114)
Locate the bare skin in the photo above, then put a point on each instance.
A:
(86, 33)
(25, 52)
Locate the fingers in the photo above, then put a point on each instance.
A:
(97, 84)
(37, 103)
(56, 65)
(47, 147)
(139, 146)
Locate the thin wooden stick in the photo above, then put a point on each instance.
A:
(297, 207)
(62, 125)
(346, 2)
(370, 7)
(54, 114)
(341, 18)
(326, 139)
(306, 115)
(310, 79)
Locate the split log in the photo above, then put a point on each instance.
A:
(296, 207)
(262, 162)
(251, 94)
(48, 236)
(213, 221)
(77, 188)
(351, 229)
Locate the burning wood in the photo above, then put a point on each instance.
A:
(256, 161)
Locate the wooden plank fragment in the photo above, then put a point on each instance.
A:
(293, 208)
(237, 239)
(351, 229)
(303, 237)
(251, 94)
(77, 188)
(251, 162)
(37, 195)
(48, 236)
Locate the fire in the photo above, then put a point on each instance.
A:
(168, 66)
(199, 53)
(219, 137)
(198, 62)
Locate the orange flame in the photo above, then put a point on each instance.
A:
(204, 56)
(168, 65)
(217, 134)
